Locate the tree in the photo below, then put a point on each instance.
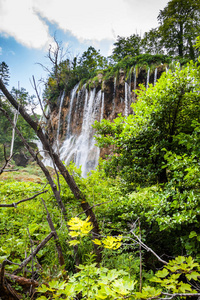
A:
(4, 72)
(6, 129)
(151, 42)
(161, 113)
(130, 46)
(81, 200)
(90, 61)
(179, 27)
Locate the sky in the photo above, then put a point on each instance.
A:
(27, 28)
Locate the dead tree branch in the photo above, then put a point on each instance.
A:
(5, 287)
(22, 281)
(56, 238)
(38, 96)
(172, 296)
(59, 164)
(148, 249)
(11, 170)
(37, 249)
(6, 161)
(23, 200)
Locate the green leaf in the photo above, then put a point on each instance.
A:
(192, 234)
(43, 289)
(163, 273)
(194, 275)
(184, 287)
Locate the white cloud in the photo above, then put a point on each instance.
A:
(98, 20)
(87, 20)
(1, 51)
(18, 19)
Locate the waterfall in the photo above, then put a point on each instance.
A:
(135, 82)
(82, 109)
(114, 94)
(77, 104)
(155, 76)
(102, 106)
(72, 97)
(59, 114)
(81, 147)
(126, 100)
(148, 74)
(84, 142)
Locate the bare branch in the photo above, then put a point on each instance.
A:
(35, 88)
(140, 250)
(56, 238)
(5, 287)
(11, 170)
(172, 296)
(59, 164)
(21, 201)
(148, 249)
(37, 249)
(6, 161)
(32, 261)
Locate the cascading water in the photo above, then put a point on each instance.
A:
(80, 111)
(85, 141)
(59, 113)
(135, 81)
(126, 100)
(114, 95)
(81, 148)
(72, 97)
(155, 75)
(102, 106)
(148, 74)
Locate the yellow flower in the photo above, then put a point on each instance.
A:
(73, 242)
(111, 242)
(97, 242)
(79, 227)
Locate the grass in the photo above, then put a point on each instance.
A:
(32, 173)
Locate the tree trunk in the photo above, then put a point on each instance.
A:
(180, 40)
(64, 172)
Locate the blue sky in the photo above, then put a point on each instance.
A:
(27, 28)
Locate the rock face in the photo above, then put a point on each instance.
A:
(70, 125)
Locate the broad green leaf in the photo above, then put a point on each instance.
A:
(194, 275)
(163, 273)
(43, 289)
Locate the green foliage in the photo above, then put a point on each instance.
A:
(179, 27)
(173, 277)
(15, 221)
(6, 129)
(92, 283)
(129, 46)
(31, 215)
(151, 42)
(4, 72)
(91, 61)
(161, 112)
